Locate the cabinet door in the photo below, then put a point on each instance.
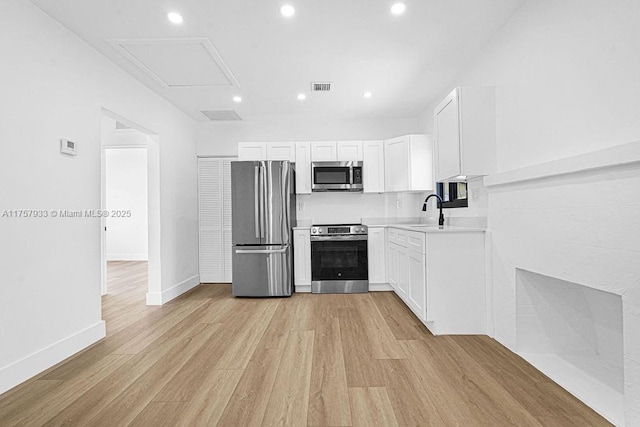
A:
(392, 265)
(373, 166)
(349, 151)
(281, 151)
(396, 167)
(322, 151)
(252, 151)
(210, 220)
(447, 138)
(403, 272)
(302, 257)
(303, 168)
(417, 284)
(376, 255)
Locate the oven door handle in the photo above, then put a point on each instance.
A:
(338, 238)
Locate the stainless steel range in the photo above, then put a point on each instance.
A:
(339, 259)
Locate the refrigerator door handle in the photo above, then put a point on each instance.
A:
(256, 213)
(263, 197)
(261, 251)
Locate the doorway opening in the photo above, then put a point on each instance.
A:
(130, 260)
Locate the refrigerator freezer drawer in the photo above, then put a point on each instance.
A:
(262, 271)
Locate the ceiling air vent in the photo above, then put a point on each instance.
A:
(221, 115)
(321, 86)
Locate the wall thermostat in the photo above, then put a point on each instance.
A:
(68, 147)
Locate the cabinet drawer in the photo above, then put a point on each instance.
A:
(416, 241)
(397, 236)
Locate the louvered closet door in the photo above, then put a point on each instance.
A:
(226, 219)
(210, 202)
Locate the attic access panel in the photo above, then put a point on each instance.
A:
(192, 62)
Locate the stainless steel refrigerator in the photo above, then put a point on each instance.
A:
(263, 212)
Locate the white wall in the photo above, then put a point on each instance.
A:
(566, 78)
(54, 86)
(126, 192)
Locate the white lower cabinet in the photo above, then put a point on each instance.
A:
(392, 265)
(440, 276)
(417, 291)
(403, 273)
(302, 260)
(376, 254)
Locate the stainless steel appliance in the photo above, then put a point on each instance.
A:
(263, 207)
(336, 176)
(339, 259)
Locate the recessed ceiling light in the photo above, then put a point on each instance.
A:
(237, 99)
(398, 8)
(175, 17)
(367, 94)
(287, 10)
(302, 96)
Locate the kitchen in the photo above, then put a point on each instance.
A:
(559, 210)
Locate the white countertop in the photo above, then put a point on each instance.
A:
(428, 228)
(423, 228)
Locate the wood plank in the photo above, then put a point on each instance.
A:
(329, 396)
(16, 401)
(361, 366)
(130, 402)
(370, 406)
(159, 414)
(398, 317)
(232, 346)
(248, 402)
(289, 398)
(377, 330)
(40, 411)
(412, 405)
(489, 403)
(209, 401)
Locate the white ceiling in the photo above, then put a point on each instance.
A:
(247, 48)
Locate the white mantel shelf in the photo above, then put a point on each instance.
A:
(619, 156)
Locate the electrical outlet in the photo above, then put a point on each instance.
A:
(300, 206)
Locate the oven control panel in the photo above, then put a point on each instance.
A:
(329, 230)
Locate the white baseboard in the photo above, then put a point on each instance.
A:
(128, 257)
(303, 289)
(376, 287)
(31, 365)
(160, 298)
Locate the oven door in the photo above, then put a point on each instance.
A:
(339, 265)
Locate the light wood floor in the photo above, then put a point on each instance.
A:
(207, 358)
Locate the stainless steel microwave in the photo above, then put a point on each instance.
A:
(336, 176)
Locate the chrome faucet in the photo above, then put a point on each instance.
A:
(424, 208)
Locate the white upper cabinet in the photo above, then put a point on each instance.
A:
(252, 151)
(465, 134)
(349, 151)
(281, 151)
(408, 164)
(267, 151)
(324, 151)
(303, 168)
(373, 166)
